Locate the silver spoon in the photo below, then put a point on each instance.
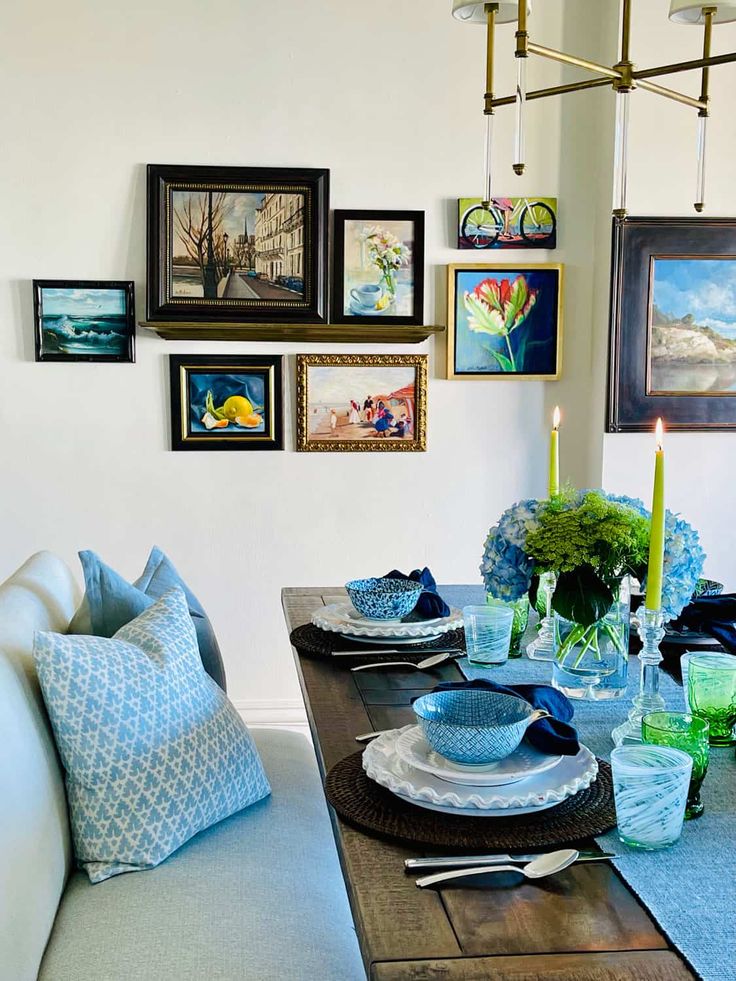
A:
(538, 869)
(428, 662)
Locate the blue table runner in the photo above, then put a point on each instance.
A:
(690, 888)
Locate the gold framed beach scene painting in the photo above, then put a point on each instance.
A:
(361, 402)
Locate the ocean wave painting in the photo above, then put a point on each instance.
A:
(89, 323)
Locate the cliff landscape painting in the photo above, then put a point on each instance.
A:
(692, 339)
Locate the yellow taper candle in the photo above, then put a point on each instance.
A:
(656, 541)
(554, 454)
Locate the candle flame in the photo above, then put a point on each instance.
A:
(556, 418)
(659, 435)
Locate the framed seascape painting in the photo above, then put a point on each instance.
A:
(84, 320)
(673, 324)
(378, 274)
(226, 402)
(504, 321)
(362, 402)
(237, 244)
(508, 223)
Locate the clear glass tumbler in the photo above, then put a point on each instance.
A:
(712, 694)
(521, 610)
(488, 632)
(688, 733)
(650, 786)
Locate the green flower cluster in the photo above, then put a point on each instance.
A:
(610, 537)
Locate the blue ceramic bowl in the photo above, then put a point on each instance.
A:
(384, 599)
(474, 727)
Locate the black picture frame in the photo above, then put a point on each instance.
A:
(287, 243)
(637, 243)
(370, 217)
(43, 348)
(184, 436)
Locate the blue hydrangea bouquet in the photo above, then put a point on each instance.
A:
(591, 541)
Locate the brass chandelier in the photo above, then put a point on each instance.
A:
(623, 77)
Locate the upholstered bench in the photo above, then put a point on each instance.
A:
(258, 896)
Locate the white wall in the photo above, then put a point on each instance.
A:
(93, 92)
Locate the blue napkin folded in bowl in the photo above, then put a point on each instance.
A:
(430, 603)
(554, 736)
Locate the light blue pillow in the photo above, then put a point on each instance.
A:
(153, 750)
(110, 602)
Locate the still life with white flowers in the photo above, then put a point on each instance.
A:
(379, 267)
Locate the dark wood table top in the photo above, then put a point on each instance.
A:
(583, 924)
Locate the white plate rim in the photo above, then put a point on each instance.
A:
(449, 774)
(382, 763)
(329, 618)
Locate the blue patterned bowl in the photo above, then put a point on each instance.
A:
(474, 727)
(384, 599)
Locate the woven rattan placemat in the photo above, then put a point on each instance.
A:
(312, 641)
(365, 804)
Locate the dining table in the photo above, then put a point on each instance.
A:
(583, 924)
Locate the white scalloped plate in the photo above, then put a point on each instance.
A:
(342, 618)
(383, 764)
(524, 762)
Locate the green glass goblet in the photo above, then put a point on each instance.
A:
(712, 695)
(519, 623)
(688, 733)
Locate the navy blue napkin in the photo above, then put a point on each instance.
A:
(714, 615)
(430, 604)
(551, 736)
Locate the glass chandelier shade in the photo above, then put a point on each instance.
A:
(687, 12)
(473, 12)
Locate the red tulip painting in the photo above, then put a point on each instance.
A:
(504, 321)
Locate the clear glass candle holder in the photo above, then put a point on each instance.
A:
(650, 785)
(488, 632)
(690, 734)
(712, 694)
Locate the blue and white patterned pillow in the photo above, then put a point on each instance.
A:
(153, 750)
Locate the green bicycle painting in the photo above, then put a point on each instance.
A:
(507, 223)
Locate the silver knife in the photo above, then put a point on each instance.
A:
(469, 861)
(404, 651)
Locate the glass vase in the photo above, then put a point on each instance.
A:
(388, 281)
(591, 661)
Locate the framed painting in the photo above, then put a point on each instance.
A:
(508, 223)
(378, 272)
(237, 244)
(362, 402)
(673, 324)
(226, 402)
(84, 320)
(504, 321)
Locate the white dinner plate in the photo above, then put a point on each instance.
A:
(524, 762)
(383, 764)
(343, 618)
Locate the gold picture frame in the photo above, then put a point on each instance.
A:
(380, 409)
(548, 323)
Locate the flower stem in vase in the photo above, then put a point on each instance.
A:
(544, 645)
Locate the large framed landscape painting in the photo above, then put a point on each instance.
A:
(378, 274)
(226, 402)
(673, 324)
(237, 245)
(504, 321)
(361, 402)
(84, 320)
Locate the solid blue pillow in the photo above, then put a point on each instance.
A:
(153, 750)
(110, 602)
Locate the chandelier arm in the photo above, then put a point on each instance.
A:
(686, 66)
(709, 13)
(588, 83)
(626, 32)
(567, 59)
(686, 100)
